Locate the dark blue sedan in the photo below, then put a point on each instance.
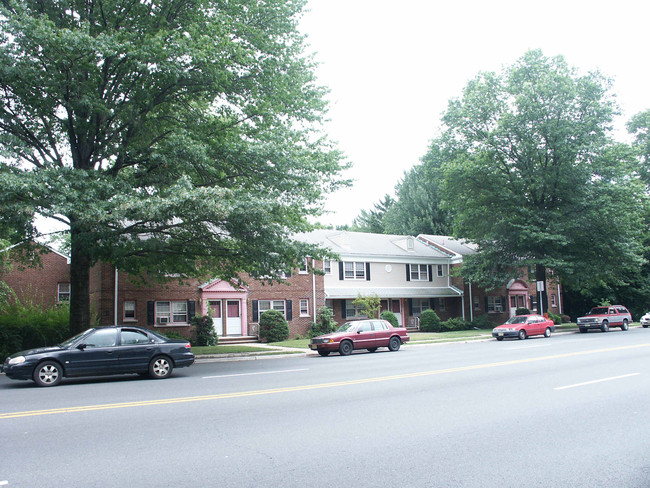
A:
(101, 351)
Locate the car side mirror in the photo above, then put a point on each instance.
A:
(81, 347)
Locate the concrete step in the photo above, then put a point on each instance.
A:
(238, 340)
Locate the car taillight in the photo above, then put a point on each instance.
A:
(188, 345)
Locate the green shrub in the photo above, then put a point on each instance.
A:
(273, 326)
(204, 330)
(170, 334)
(557, 319)
(482, 322)
(390, 317)
(456, 323)
(25, 326)
(429, 321)
(522, 311)
(324, 322)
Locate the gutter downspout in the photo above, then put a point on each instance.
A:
(313, 286)
(117, 276)
(471, 304)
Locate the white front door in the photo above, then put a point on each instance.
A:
(215, 313)
(233, 317)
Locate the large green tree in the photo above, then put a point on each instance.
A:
(540, 182)
(172, 136)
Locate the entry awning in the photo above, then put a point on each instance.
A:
(393, 292)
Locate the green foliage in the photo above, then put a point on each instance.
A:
(324, 324)
(273, 326)
(522, 311)
(429, 321)
(389, 317)
(172, 137)
(371, 304)
(557, 319)
(536, 175)
(455, 323)
(25, 326)
(482, 322)
(170, 334)
(204, 331)
(373, 220)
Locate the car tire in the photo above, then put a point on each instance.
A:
(394, 344)
(372, 349)
(645, 326)
(346, 348)
(324, 353)
(604, 326)
(547, 332)
(583, 330)
(160, 368)
(522, 335)
(499, 338)
(625, 325)
(48, 373)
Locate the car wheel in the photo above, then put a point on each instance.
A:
(583, 330)
(160, 367)
(324, 353)
(394, 343)
(547, 332)
(605, 326)
(372, 349)
(499, 338)
(625, 325)
(645, 326)
(48, 373)
(346, 348)
(522, 335)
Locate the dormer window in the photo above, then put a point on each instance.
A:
(410, 243)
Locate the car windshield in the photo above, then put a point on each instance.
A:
(517, 320)
(74, 339)
(347, 327)
(598, 311)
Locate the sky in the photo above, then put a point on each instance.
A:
(392, 67)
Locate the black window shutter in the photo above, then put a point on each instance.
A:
(408, 272)
(150, 313)
(191, 309)
(504, 302)
(430, 272)
(367, 271)
(432, 303)
(341, 270)
(410, 301)
(289, 311)
(486, 304)
(343, 309)
(255, 311)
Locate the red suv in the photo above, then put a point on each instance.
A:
(605, 317)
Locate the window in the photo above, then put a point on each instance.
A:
(171, 313)
(441, 304)
(304, 307)
(64, 292)
(354, 271)
(102, 338)
(441, 271)
(130, 337)
(477, 303)
(420, 305)
(553, 300)
(419, 272)
(327, 266)
(264, 305)
(353, 310)
(129, 310)
(495, 304)
(303, 269)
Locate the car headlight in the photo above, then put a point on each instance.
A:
(17, 360)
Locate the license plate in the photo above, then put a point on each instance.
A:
(500, 333)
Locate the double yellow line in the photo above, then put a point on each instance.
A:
(337, 384)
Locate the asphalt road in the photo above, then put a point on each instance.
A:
(568, 411)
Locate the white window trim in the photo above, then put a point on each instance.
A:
(167, 320)
(327, 267)
(441, 271)
(304, 307)
(62, 295)
(124, 310)
(273, 305)
(304, 269)
(359, 312)
(356, 267)
(416, 273)
(495, 304)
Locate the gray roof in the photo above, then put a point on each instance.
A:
(456, 246)
(394, 292)
(346, 243)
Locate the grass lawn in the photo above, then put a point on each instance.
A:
(233, 349)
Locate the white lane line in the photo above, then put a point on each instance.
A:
(253, 374)
(596, 381)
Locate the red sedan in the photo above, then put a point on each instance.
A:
(522, 326)
(361, 334)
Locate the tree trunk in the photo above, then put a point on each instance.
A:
(540, 275)
(79, 284)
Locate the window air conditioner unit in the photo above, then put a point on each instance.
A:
(163, 320)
